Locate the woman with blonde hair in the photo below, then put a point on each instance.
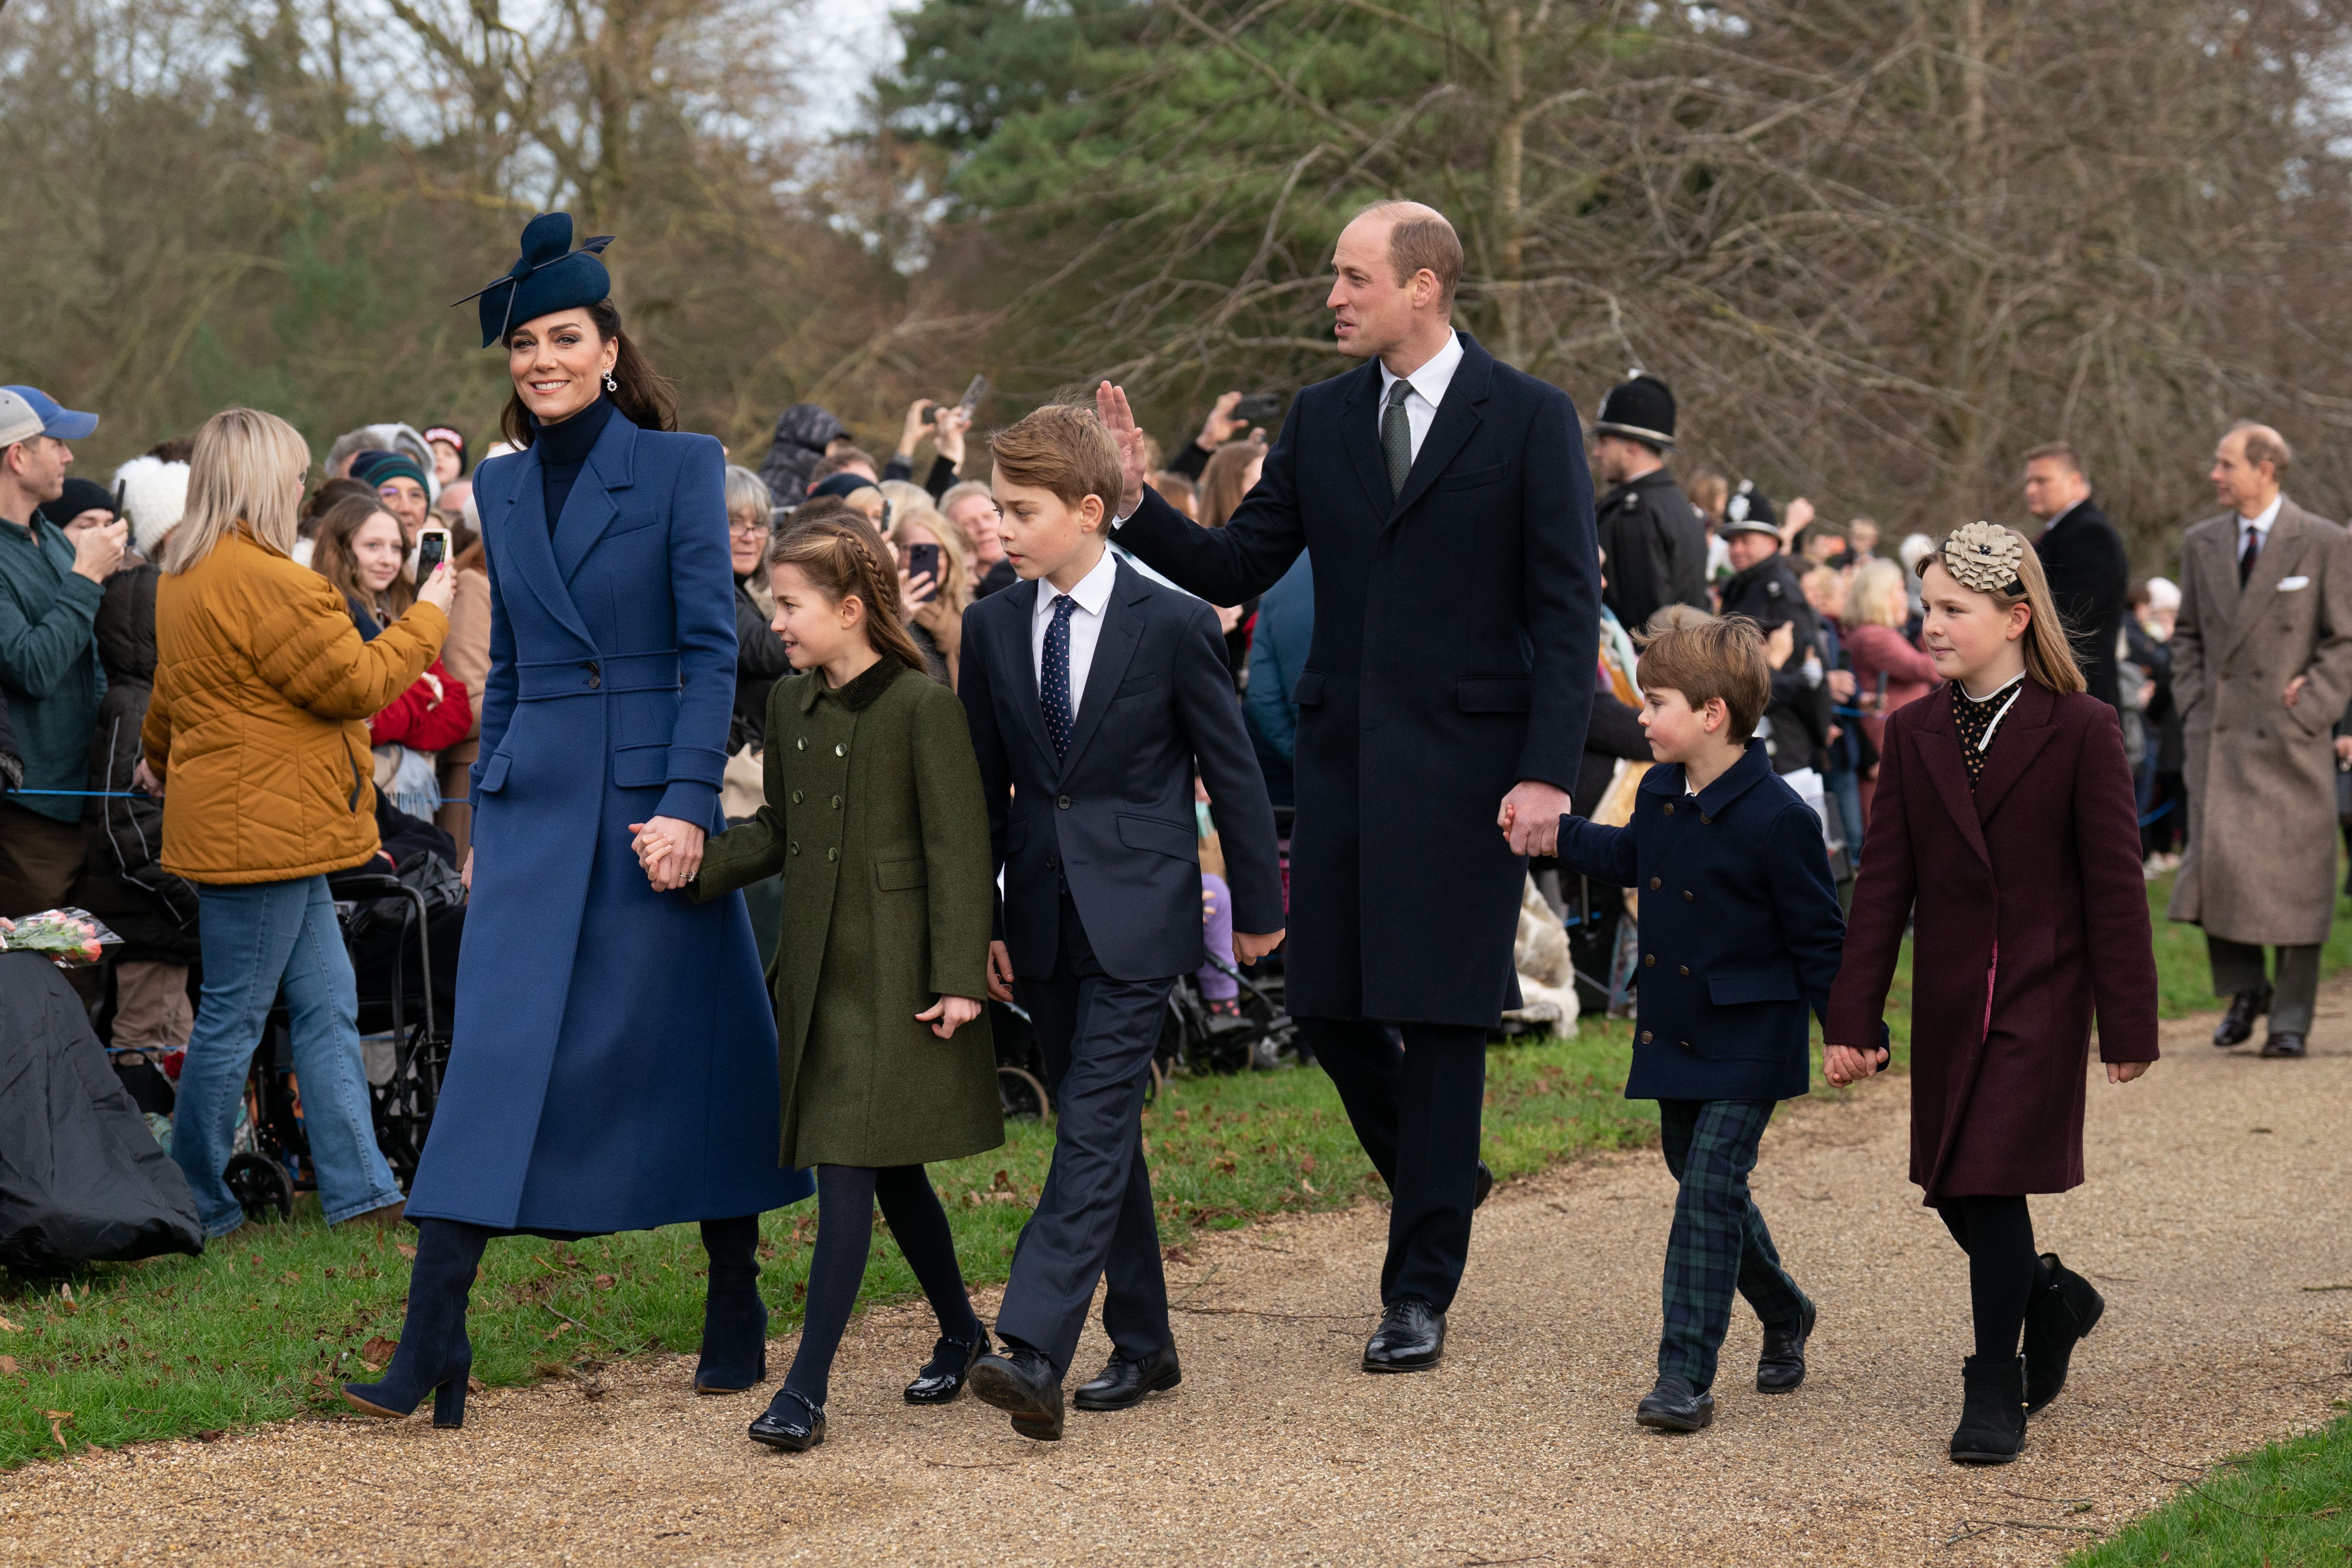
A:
(936, 622)
(1889, 671)
(257, 739)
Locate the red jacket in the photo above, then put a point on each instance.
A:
(2044, 857)
(432, 715)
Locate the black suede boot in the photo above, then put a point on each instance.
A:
(1992, 1417)
(435, 1355)
(2064, 1309)
(734, 1319)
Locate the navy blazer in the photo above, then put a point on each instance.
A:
(1740, 930)
(1456, 628)
(1115, 818)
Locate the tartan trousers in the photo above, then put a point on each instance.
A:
(1719, 1243)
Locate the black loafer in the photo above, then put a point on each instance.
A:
(1486, 1185)
(1410, 1337)
(1782, 1365)
(790, 1423)
(1124, 1379)
(2237, 1024)
(1024, 1384)
(944, 1377)
(1675, 1406)
(2286, 1045)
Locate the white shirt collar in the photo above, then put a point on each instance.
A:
(1433, 377)
(1995, 691)
(2261, 524)
(1092, 592)
(2063, 516)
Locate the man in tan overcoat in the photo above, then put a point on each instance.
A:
(2262, 666)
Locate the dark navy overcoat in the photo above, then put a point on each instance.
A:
(1739, 930)
(614, 1061)
(1456, 622)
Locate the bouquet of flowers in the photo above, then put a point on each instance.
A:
(72, 938)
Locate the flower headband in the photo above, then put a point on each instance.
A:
(1984, 556)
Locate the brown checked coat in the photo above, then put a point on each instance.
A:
(2260, 866)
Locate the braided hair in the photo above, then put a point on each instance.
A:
(842, 557)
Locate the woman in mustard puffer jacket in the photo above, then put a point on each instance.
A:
(257, 740)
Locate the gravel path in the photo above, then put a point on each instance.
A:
(2216, 1212)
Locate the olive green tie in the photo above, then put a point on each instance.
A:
(1396, 437)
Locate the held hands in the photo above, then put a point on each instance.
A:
(1842, 1064)
(1110, 405)
(947, 1015)
(1530, 818)
(670, 850)
(2124, 1072)
(1000, 971)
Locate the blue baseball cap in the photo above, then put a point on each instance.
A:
(57, 423)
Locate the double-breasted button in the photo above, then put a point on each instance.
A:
(1705, 820)
(1649, 960)
(1064, 803)
(836, 803)
(1684, 968)
(834, 853)
(1052, 863)
(1670, 808)
(840, 749)
(1684, 1043)
(1689, 897)
(1645, 1036)
(796, 846)
(595, 677)
(796, 797)
(1655, 884)
(800, 744)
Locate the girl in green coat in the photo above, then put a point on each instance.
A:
(875, 817)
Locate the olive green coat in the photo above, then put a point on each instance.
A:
(875, 817)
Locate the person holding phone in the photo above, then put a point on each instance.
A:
(934, 588)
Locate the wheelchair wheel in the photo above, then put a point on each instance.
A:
(259, 1185)
(1021, 1094)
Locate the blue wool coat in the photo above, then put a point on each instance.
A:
(1740, 931)
(614, 1061)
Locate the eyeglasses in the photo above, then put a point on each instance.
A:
(750, 529)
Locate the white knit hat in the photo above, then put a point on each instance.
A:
(154, 495)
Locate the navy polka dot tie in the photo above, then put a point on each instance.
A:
(1054, 676)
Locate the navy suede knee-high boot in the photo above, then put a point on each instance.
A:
(734, 1319)
(435, 1354)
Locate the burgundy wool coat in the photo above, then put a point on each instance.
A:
(2033, 889)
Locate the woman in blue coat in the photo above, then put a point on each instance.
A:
(613, 1066)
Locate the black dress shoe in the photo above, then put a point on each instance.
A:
(1410, 1337)
(1024, 1384)
(1992, 1411)
(943, 1376)
(2237, 1024)
(790, 1423)
(1782, 1365)
(1486, 1184)
(2283, 1044)
(1675, 1406)
(1124, 1379)
(2064, 1308)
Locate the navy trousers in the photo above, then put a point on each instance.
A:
(1094, 1215)
(1719, 1244)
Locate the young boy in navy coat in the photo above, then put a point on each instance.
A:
(1740, 933)
(1093, 694)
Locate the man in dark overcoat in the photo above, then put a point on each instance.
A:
(2083, 556)
(1653, 539)
(1444, 496)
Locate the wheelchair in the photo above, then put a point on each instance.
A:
(400, 1020)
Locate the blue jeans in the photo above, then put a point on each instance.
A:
(258, 937)
(1845, 800)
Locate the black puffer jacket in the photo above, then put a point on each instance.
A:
(153, 911)
(1769, 595)
(759, 662)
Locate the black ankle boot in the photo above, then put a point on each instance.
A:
(734, 1319)
(2064, 1309)
(435, 1356)
(1992, 1417)
(943, 1376)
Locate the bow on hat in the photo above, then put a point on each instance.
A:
(549, 276)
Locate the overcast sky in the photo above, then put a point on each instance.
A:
(853, 38)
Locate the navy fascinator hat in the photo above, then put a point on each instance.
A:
(549, 276)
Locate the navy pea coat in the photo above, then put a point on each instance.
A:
(613, 1066)
(1739, 926)
(1456, 623)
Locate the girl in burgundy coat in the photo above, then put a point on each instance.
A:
(2005, 828)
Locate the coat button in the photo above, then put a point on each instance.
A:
(834, 853)
(1684, 1043)
(796, 797)
(836, 803)
(1655, 884)
(1645, 1036)
(1670, 808)
(1052, 863)
(800, 744)
(796, 846)
(1649, 960)
(596, 678)
(840, 750)
(1705, 820)
(1684, 968)
(1064, 803)
(1689, 897)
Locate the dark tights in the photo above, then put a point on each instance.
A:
(2004, 1269)
(845, 1197)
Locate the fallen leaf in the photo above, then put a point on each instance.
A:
(377, 1352)
(559, 1329)
(592, 1390)
(1175, 1255)
(9, 1327)
(215, 1435)
(57, 1419)
(1003, 1181)
(1306, 1163)
(604, 1282)
(7, 1366)
(404, 1249)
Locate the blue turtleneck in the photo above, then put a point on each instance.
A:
(564, 450)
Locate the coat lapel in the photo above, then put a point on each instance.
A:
(2282, 555)
(590, 509)
(1123, 630)
(1938, 747)
(1021, 649)
(2015, 746)
(1359, 432)
(1457, 420)
(522, 546)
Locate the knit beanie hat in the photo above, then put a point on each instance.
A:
(79, 496)
(380, 469)
(154, 496)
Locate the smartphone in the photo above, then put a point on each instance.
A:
(432, 549)
(1259, 408)
(971, 397)
(922, 558)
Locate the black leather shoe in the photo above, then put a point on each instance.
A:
(1024, 1384)
(943, 1376)
(2286, 1045)
(1992, 1413)
(2062, 1311)
(790, 1423)
(1675, 1406)
(1124, 1379)
(2237, 1024)
(1410, 1337)
(1486, 1184)
(1782, 1365)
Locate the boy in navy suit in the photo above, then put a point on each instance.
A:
(1092, 693)
(1740, 933)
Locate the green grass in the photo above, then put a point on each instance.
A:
(2290, 1503)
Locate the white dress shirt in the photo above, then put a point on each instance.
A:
(1429, 385)
(2069, 510)
(2261, 525)
(1093, 594)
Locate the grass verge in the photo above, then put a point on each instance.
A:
(2288, 1503)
